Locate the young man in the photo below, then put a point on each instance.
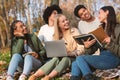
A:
(46, 31)
(88, 22)
(28, 51)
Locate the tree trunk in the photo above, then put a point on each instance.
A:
(47, 3)
(87, 3)
(55, 2)
(5, 21)
(2, 38)
(28, 21)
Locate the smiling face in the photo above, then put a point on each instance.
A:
(84, 14)
(21, 28)
(63, 22)
(102, 15)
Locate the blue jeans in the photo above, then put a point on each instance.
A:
(28, 64)
(106, 60)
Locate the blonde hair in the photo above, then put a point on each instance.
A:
(71, 44)
(57, 30)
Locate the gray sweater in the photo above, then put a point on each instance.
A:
(114, 45)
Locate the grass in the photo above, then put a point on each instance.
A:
(4, 57)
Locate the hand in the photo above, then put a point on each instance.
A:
(88, 43)
(18, 34)
(34, 54)
(106, 40)
(74, 53)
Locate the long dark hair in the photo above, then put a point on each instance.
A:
(111, 20)
(12, 28)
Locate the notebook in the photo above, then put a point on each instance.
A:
(55, 48)
(98, 34)
(79, 39)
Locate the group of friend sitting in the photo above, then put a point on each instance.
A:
(29, 54)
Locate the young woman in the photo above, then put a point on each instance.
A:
(107, 59)
(28, 51)
(56, 65)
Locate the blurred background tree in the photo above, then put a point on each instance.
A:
(31, 11)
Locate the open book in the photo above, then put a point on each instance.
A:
(79, 39)
(98, 34)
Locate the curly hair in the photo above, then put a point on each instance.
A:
(48, 11)
(12, 28)
(77, 8)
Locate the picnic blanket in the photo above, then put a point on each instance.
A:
(109, 73)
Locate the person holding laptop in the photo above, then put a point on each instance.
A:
(62, 32)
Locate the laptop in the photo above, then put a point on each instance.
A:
(55, 48)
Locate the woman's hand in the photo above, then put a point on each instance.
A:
(34, 54)
(88, 43)
(18, 34)
(106, 40)
(72, 54)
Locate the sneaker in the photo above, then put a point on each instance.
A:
(75, 78)
(90, 77)
(9, 78)
(22, 77)
(32, 77)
